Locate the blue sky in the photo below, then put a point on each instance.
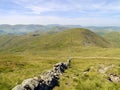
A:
(80, 12)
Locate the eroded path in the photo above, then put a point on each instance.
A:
(96, 58)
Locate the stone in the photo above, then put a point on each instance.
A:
(104, 69)
(114, 78)
(47, 81)
(18, 87)
(30, 83)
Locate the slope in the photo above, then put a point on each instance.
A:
(114, 38)
(77, 37)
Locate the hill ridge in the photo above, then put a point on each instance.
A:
(77, 37)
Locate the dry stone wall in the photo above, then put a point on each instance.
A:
(47, 81)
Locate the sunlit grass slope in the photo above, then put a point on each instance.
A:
(114, 38)
(75, 79)
(25, 56)
(60, 40)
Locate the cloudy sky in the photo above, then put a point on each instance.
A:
(80, 12)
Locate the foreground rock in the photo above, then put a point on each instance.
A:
(46, 81)
(104, 69)
(114, 78)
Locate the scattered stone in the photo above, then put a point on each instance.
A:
(104, 69)
(114, 78)
(88, 70)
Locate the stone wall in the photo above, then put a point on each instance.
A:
(46, 81)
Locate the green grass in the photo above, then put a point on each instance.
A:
(26, 56)
(59, 40)
(114, 38)
(74, 79)
(14, 68)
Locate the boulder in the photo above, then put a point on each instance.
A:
(114, 78)
(30, 83)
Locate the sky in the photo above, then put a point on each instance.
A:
(65, 12)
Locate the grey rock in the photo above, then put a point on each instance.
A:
(18, 87)
(104, 69)
(30, 83)
(47, 81)
(114, 78)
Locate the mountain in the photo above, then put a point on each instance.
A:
(102, 30)
(114, 38)
(19, 29)
(77, 37)
(23, 29)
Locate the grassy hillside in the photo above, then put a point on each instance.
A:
(78, 78)
(23, 29)
(114, 38)
(102, 30)
(26, 56)
(56, 40)
(14, 68)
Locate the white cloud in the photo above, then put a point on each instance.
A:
(38, 10)
(58, 20)
(22, 2)
(85, 6)
(92, 12)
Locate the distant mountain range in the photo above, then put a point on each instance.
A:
(23, 29)
(102, 30)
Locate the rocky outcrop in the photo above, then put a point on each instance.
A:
(47, 81)
(111, 77)
(114, 78)
(104, 69)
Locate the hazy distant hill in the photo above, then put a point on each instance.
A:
(101, 30)
(114, 38)
(23, 29)
(19, 29)
(68, 38)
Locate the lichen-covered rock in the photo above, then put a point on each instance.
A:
(30, 83)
